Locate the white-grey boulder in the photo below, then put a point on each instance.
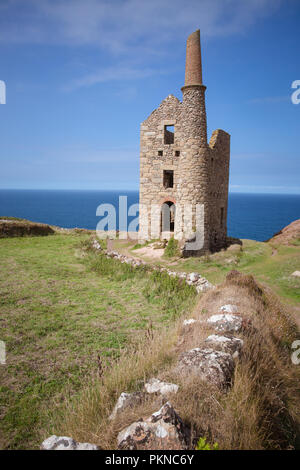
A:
(225, 343)
(216, 367)
(66, 443)
(164, 429)
(204, 285)
(225, 322)
(157, 386)
(193, 277)
(296, 274)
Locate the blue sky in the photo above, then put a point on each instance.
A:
(81, 75)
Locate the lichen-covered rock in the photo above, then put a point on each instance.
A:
(127, 400)
(162, 430)
(193, 277)
(204, 285)
(96, 245)
(229, 308)
(189, 321)
(66, 443)
(225, 343)
(157, 386)
(225, 322)
(215, 367)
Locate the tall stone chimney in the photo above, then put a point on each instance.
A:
(193, 66)
(194, 92)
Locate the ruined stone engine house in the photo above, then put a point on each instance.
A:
(179, 169)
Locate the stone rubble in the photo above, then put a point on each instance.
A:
(66, 443)
(193, 279)
(164, 429)
(96, 245)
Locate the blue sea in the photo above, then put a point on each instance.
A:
(252, 216)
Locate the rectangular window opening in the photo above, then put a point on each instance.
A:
(160, 153)
(222, 217)
(177, 153)
(169, 135)
(168, 179)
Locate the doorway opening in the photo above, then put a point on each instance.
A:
(168, 211)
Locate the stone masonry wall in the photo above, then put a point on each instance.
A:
(200, 171)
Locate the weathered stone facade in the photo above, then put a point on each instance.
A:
(183, 179)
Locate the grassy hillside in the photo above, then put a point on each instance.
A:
(62, 307)
(270, 263)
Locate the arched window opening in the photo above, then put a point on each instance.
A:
(168, 211)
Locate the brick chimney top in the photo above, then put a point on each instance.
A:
(193, 67)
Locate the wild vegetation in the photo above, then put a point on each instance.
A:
(16, 227)
(65, 314)
(81, 328)
(259, 411)
(270, 263)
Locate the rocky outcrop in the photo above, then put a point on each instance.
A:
(288, 235)
(215, 367)
(66, 443)
(164, 429)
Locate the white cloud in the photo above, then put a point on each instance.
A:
(122, 25)
(133, 30)
(118, 72)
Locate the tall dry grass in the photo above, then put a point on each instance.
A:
(259, 411)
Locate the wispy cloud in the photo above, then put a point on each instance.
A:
(130, 30)
(109, 74)
(121, 25)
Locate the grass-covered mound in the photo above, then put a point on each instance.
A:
(15, 227)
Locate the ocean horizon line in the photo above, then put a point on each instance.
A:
(137, 190)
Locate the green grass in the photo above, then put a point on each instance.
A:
(271, 266)
(172, 249)
(60, 307)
